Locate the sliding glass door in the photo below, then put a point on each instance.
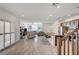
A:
(1, 35)
(7, 34)
(12, 33)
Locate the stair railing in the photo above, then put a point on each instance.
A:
(68, 44)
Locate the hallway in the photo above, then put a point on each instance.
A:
(31, 47)
(47, 26)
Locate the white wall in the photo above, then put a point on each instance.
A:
(47, 27)
(6, 16)
(51, 28)
(55, 27)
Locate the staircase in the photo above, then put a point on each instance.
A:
(68, 44)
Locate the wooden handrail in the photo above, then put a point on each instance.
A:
(63, 39)
(70, 33)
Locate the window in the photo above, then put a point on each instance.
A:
(33, 26)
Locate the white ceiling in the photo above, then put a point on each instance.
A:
(40, 12)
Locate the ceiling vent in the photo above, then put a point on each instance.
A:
(55, 4)
(78, 7)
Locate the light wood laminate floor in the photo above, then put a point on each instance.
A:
(31, 47)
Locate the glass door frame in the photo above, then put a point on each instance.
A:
(10, 33)
(3, 32)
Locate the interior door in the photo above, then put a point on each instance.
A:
(1, 35)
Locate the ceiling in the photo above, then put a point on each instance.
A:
(41, 12)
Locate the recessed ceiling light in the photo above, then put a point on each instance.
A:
(48, 16)
(58, 6)
(78, 7)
